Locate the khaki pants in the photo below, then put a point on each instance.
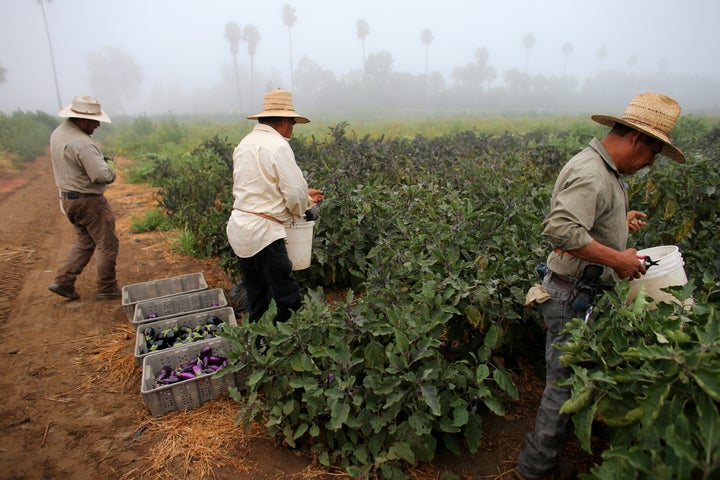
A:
(94, 223)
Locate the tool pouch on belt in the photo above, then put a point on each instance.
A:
(586, 288)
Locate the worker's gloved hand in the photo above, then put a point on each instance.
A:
(313, 213)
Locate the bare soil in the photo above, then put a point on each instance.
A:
(71, 388)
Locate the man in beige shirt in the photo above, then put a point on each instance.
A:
(588, 224)
(269, 190)
(82, 175)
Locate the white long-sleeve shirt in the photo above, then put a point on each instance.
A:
(267, 181)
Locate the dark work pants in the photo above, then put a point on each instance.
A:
(94, 223)
(268, 276)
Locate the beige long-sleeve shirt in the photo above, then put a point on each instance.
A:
(77, 162)
(266, 180)
(589, 202)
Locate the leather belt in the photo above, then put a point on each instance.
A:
(268, 217)
(75, 195)
(561, 280)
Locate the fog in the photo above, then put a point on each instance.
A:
(476, 56)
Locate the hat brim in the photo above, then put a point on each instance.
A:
(669, 150)
(68, 112)
(269, 113)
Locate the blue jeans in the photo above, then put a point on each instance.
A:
(552, 429)
(268, 276)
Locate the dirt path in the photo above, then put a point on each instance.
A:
(71, 404)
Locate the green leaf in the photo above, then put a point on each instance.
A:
(583, 421)
(481, 373)
(430, 397)
(502, 378)
(578, 400)
(255, 377)
(338, 416)
(402, 451)
(709, 381)
(460, 416)
(495, 405)
(421, 423)
(300, 431)
(473, 432)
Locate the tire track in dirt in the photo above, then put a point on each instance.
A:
(29, 215)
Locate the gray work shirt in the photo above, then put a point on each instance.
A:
(589, 202)
(77, 162)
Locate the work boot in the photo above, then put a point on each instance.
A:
(562, 471)
(63, 291)
(113, 294)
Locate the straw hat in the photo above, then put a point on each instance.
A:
(85, 107)
(278, 103)
(652, 114)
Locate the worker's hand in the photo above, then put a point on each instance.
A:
(316, 195)
(634, 221)
(627, 264)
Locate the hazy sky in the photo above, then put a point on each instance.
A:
(180, 43)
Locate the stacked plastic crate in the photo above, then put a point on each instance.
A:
(167, 305)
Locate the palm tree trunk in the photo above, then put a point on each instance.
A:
(52, 56)
(237, 83)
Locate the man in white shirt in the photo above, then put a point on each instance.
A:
(269, 190)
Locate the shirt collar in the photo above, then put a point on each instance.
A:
(597, 145)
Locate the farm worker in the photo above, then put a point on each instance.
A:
(589, 223)
(82, 175)
(269, 190)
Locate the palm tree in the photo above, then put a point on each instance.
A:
(426, 37)
(252, 37)
(289, 19)
(52, 56)
(529, 42)
(567, 49)
(363, 30)
(233, 35)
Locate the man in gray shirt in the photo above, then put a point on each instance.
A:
(588, 224)
(82, 175)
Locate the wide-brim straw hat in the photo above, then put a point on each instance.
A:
(85, 107)
(652, 114)
(278, 103)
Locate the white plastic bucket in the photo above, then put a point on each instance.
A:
(668, 272)
(299, 243)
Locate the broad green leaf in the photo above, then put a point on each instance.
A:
(709, 381)
(255, 377)
(338, 415)
(495, 405)
(300, 431)
(502, 378)
(583, 426)
(460, 416)
(430, 397)
(421, 423)
(577, 401)
(481, 373)
(402, 451)
(473, 432)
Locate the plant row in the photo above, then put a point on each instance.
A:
(436, 241)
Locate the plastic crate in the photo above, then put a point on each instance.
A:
(177, 305)
(185, 394)
(226, 314)
(165, 287)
